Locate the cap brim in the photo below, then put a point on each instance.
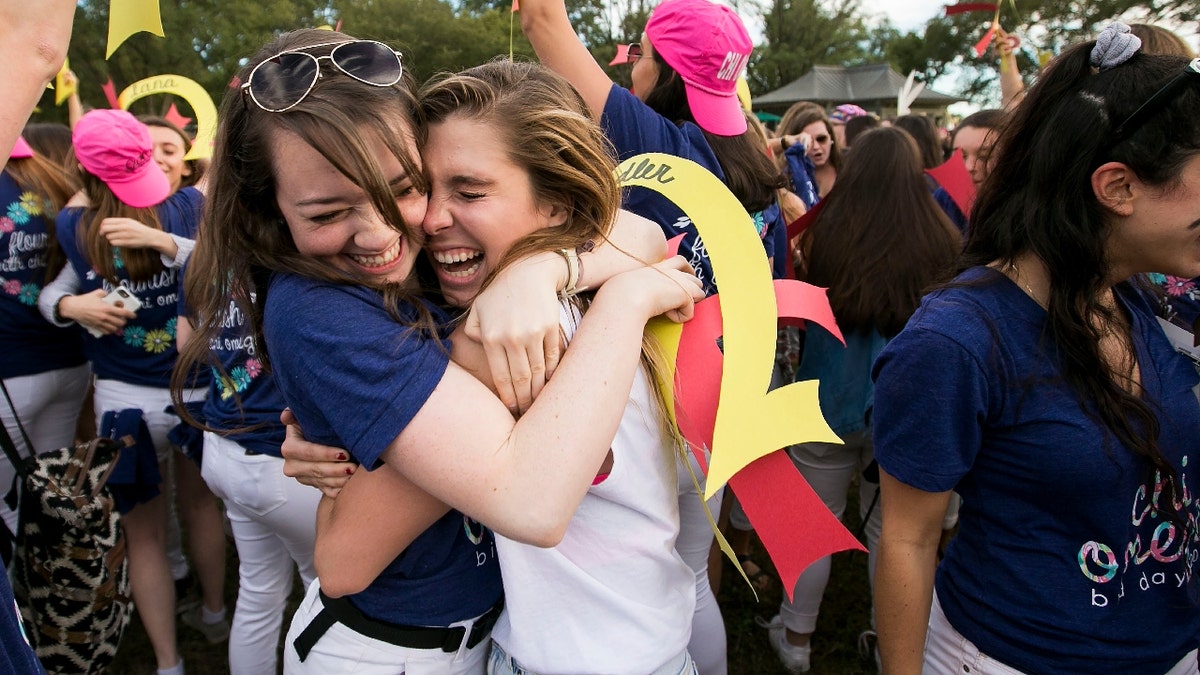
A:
(146, 188)
(21, 150)
(716, 114)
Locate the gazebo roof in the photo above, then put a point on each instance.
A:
(856, 84)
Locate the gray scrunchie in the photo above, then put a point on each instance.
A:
(1114, 46)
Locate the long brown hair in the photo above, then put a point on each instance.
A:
(880, 241)
(139, 263)
(244, 239)
(49, 183)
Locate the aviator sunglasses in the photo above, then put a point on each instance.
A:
(284, 80)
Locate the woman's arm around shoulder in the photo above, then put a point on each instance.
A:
(525, 479)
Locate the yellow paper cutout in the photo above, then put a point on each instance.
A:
(126, 17)
(188, 90)
(751, 422)
(62, 88)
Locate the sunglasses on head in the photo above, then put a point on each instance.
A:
(1157, 101)
(284, 80)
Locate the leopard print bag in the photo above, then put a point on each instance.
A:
(70, 572)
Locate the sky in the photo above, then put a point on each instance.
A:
(905, 14)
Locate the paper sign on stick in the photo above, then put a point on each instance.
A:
(126, 17)
(705, 391)
(62, 88)
(188, 90)
(954, 178)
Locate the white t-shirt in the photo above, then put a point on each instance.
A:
(614, 596)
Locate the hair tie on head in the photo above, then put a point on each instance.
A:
(1114, 46)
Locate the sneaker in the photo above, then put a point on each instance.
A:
(213, 632)
(186, 596)
(794, 658)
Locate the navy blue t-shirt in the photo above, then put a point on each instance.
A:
(245, 397)
(16, 656)
(634, 128)
(355, 378)
(1062, 562)
(28, 343)
(143, 353)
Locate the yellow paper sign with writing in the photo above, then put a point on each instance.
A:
(751, 422)
(126, 17)
(188, 90)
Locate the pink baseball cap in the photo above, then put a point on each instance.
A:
(708, 46)
(115, 147)
(21, 150)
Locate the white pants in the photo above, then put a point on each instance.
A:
(344, 650)
(274, 525)
(500, 663)
(707, 645)
(830, 469)
(947, 652)
(48, 406)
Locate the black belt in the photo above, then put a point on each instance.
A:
(340, 610)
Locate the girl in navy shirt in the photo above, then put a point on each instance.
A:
(1040, 387)
(42, 366)
(129, 233)
(316, 202)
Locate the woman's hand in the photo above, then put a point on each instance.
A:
(669, 288)
(516, 318)
(319, 466)
(91, 311)
(129, 233)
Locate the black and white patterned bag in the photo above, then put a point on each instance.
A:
(70, 571)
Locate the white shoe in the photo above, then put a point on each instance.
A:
(794, 658)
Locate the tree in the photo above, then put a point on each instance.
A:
(802, 33)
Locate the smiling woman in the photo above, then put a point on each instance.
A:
(1059, 403)
(314, 220)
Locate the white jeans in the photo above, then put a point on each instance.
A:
(48, 405)
(344, 650)
(947, 652)
(500, 663)
(707, 645)
(830, 469)
(274, 525)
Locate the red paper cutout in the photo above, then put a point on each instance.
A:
(235, 82)
(110, 93)
(516, 7)
(621, 57)
(177, 119)
(771, 490)
(981, 46)
(964, 7)
(338, 27)
(954, 178)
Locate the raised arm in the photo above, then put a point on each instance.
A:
(33, 45)
(549, 30)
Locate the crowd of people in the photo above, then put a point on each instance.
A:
(392, 338)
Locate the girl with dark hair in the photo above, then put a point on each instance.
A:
(313, 214)
(879, 242)
(126, 233)
(923, 131)
(1040, 386)
(824, 151)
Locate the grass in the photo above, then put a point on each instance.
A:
(845, 613)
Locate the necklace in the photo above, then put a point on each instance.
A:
(1012, 266)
